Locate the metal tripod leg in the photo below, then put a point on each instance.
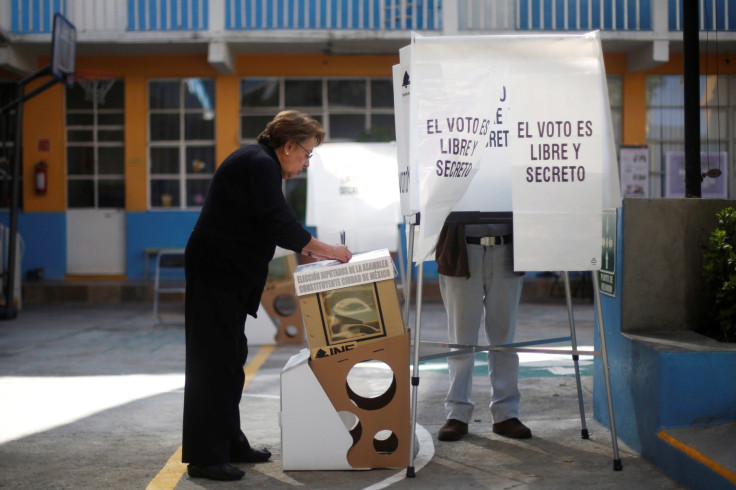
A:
(402, 271)
(415, 370)
(617, 466)
(573, 341)
(407, 282)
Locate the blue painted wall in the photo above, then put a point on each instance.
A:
(165, 229)
(655, 387)
(44, 239)
(44, 242)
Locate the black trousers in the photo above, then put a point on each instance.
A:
(216, 351)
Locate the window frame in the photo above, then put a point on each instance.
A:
(724, 142)
(182, 144)
(96, 178)
(7, 147)
(321, 113)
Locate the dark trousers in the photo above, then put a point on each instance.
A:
(216, 350)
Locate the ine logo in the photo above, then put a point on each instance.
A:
(405, 85)
(334, 350)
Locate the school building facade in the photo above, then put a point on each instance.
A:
(179, 84)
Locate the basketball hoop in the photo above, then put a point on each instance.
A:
(95, 83)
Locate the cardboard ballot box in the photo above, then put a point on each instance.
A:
(350, 304)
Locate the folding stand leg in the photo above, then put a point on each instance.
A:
(573, 340)
(415, 371)
(617, 466)
(402, 267)
(407, 282)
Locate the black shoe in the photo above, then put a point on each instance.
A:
(453, 430)
(223, 471)
(251, 455)
(512, 428)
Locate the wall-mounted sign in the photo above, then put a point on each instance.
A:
(607, 272)
(711, 187)
(634, 165)
(44, 145)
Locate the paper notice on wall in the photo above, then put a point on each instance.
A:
(454, 106)
(715, 187)
(634, 163)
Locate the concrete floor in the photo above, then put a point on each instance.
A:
(92, 398)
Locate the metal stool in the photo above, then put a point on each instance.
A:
(167, 259)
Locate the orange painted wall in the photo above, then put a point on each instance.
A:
(317, 65)
(633, 113)
(43, 119)
(136, 130)
(227, 106)
(192, 65)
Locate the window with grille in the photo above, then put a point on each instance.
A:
(665, 95)
(181, 141)
(615, 101)
(349, 109)
(95, 148)
(8, 123)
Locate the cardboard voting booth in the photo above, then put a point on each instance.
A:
(516, 125)
(484, 135)
(353, 324)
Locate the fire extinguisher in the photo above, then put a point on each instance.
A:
(41, 180)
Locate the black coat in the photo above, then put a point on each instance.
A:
(244, 217)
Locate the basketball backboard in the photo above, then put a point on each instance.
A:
(63, 49)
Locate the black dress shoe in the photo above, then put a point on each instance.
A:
(223, 472)
(251, 455)
(453, 430)
(512, 428)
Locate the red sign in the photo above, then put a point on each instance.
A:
(44, 145)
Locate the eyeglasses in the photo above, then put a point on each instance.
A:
(309, 154)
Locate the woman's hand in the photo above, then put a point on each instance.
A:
(341, 253)
(321, 250)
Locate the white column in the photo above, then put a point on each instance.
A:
(450, 20)
(217, 17)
